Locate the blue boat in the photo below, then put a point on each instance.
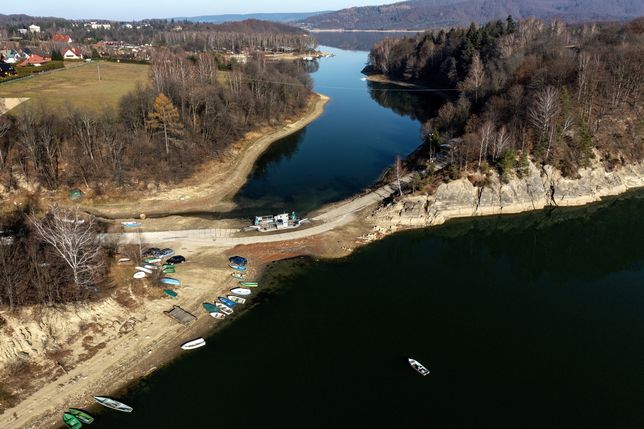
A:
(170, 281)
(228, 302)
(238, 260)
(237, 267)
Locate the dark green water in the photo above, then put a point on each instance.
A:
(528, 321)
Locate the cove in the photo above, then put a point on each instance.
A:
(531, 320)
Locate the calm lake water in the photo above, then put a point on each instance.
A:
(531, 321)
(527, 321)
(362, 129)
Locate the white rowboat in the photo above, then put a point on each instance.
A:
(218, 315)
(145, 270)
(224, 308)
(194, 344)
(139, 275)
(111, 403)
(241, 291)
(237, 299)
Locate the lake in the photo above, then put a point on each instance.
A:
(530, 321)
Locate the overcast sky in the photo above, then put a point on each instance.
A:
(139, 9)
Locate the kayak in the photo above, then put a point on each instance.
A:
(71, 421)
(241, 291)
(237, 299)
(210, 308)
(139, 275)
(172, 293)
(249, 284)
(224, 308)
(170, 281)
(237, 267)
(82, 416)
(227, 302)
(194, 344)
(113, 404)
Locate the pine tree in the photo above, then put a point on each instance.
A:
(164, 118)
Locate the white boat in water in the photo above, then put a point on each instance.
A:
(241, 291)
(113, 404)
(224, 308)
(194, 344)
(418, 366)
(237, 299)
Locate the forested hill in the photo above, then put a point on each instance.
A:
(250, 26)
(424, 14)
(275, 17)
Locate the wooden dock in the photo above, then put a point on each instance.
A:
(181, 315)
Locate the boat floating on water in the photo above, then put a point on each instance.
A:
(194, 344)
(224, 308)
(237, 299)
(113, 404)
(249, 284)
(241, 291)
(82, 416)
(418, 366)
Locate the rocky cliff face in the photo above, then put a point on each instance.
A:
(538, 189)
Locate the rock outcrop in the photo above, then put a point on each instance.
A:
(539, 188)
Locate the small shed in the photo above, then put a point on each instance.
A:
(181, 315)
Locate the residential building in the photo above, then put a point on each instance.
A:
(34, 29)
(61, 38)
(72, 54)
(35, 60)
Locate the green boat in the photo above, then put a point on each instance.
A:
(169, 271)
(210, 308)
(165, 266)
(172, 293)
(71, 421)
(82, 416)
(249, 284)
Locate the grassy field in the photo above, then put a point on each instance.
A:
(79, 85)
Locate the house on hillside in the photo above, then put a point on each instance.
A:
(34, 29)
(35, 60)
(6, 70)
(72, 54)
(61, 38)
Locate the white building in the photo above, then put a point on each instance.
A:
(22, 31)
(97, 25)
(34, 29)
(72, 54)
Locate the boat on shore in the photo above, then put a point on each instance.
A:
(170, 292)
(237, 267)
(82, 416)
(210, 307)
(249, 284)
(113, 404)
(71, 421)
(139, 275)
(217, 314)
(224, 308)
(238, 260)
(194, 344)
(238, 275)
(170, 281)
(237, 299)
(227, 302)
(418, 366)
(131, 224)
(241, 291)
(145, 270)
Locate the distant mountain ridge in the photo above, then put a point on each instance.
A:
(275, 17)
(423, 14)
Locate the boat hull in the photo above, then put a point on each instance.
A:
(170, 281)
(194, 344)
(224, 308)
(237, 267)
(82, 416)
(241, 291)
(113, 404)
(249, 284)
(236, 299)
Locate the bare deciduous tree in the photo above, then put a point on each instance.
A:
(543, 113)
(475, 77)
(486, 137)
(75, 241)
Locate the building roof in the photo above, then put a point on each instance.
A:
(34, 59)
(61, 38)
(75, 51)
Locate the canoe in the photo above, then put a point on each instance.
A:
(172, 293)
(241, 291)
(82, 416)
(218, 315)
(151, 267)
(237, 299)
(131, 224)
(166, 266)
(113, 404)
(151, 260)
(238, 275)
(210, 308)
(237, 267)
(145, 270)
(139, 275)
(227, 302)
(71, 421)
(169, 271)
(249, 284)
(170, 281)
(194, 344)
(224, 308)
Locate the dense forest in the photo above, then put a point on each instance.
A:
(425, 14)
(550, 92)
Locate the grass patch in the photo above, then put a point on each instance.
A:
(79, 86)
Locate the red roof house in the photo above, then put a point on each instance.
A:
(72, 54)
(62, 38)
(34, 60)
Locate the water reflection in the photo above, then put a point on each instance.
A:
(355, 41)
(417, 105)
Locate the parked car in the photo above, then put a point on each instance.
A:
(152, 251)
(176, 260)
(166, 253)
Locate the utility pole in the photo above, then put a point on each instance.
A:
(98, 67)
